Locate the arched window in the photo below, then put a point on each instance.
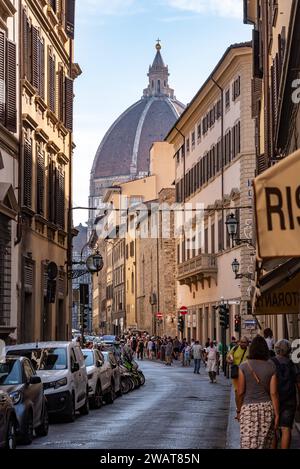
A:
(158, 86)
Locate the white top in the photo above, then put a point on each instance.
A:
(270, 342)
(212, 353)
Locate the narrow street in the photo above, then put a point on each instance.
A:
(175, 409)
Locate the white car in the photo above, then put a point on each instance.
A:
(62, 370)
(99, 378)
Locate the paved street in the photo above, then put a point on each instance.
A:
(175, 409)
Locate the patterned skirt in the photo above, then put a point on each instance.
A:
(257, 425)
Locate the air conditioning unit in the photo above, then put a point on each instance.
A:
(153, 299)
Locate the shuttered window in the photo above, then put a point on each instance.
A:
(69, 96)
(27, 173)
(60, 198)
(35, 57)
(51, 82)
(220, 234)
(26, 35)
(8, 83)
(236, 88)
(40, 193)
(70, 18)
(61, 94)
(11, 86)
(53, 4)
(41, 88)
(51, 192)
(2, 76)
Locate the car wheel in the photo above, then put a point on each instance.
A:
(96, 400)
(71, 415)
(110, 396)
(43, 429)
(125, 385)
(27, 436)
(11, 434)
(84, 410)
(142, 377)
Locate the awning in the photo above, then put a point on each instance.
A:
(8, 201)
(279, 291)
(277, 205)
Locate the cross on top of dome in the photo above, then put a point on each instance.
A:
(158, 77)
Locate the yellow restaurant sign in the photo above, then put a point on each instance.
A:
(277, 205)
(285, 299)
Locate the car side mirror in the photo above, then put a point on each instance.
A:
(75, 367)
(35, 380)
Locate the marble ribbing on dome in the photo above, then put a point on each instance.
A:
(126, 146)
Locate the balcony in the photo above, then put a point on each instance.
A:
(198, 269)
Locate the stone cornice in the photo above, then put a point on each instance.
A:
(9, 141)
(27, 119)
(41, 135)
(7, 9)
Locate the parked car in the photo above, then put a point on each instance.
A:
(99, 376)
(8, 422)
(109, 339)
(62, 369)
(20, 381)
(115, 374)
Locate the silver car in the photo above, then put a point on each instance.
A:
(99, 377)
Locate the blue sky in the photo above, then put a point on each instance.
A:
(115, 44)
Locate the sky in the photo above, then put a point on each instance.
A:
(114, 46)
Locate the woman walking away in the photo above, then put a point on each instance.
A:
(288, 381)
(258, 402)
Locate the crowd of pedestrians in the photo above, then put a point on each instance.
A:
(264, 378)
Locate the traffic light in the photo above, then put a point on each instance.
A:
(84, 318)
(84, 293)
(237, 323)
(180, 324)
(224, 316)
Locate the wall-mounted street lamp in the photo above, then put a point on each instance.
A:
(93, 265)
(232, 228)
(235, 269)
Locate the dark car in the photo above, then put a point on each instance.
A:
(8, 422)
(19, 380)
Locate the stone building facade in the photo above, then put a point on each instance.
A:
(214, 143)
(9, 170)
(47, 75)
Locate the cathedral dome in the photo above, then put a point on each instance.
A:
(124, 150)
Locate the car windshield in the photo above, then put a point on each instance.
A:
(34, 355)
(108, 338)
(10, 373)
(44, 359)
(53, 359)
(88, 358)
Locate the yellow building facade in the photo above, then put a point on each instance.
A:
(46, 121)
